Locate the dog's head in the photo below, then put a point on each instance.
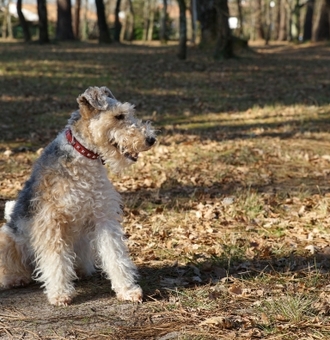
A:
(111, 128)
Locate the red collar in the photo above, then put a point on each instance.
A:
(80, 148)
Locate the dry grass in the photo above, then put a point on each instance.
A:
(227, 217)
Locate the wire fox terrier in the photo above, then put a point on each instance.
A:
(67, 218)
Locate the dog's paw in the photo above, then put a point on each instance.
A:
(131, 294)
(14, 282)
(20, 282)
(60, 300)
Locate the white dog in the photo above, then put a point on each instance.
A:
(67, 218)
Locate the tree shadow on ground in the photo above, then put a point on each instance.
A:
(226, 130)
(153, 80)
(174, 194)
(160, 281)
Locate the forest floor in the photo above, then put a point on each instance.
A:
(227, 217)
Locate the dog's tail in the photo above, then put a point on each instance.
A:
(9, 207)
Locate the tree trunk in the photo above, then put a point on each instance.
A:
(260, 34)
(117, 22)
(7, 30)
(295, 21)
(76, 25)
(84, 33)
(193, 13)
(207, 16)
(224, 45)
(277, 19)
(4, 25)
(146, 12)
(23, 22)
(64, 20)
(282, 35)
(308, 22)
(127, 28)
(151, 20)
(271, 21)
(240, 18)
(321, 23)
(104, 36)
(268, 22)
(327, 20)
(125, 22)
(9, 25)
(182, 53)
(289, 21)
(162, 28)
(130, 25)
(43, 22)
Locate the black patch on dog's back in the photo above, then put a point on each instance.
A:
(23, 208)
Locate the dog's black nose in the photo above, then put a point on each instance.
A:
(150, 141)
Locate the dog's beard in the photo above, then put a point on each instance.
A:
(132, 156)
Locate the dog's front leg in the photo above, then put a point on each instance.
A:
(54, 259)
(115, 261)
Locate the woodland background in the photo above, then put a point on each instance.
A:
(218, 23)
(227, 217)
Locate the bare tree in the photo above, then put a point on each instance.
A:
(76, 24)
(308, 22)
(224, 45)
(182, 53)
(163, 17)
(277, 19)
(295, 21)
(151, 19)
(240, 18)
(84, 29)
(43, 22)
(295, 10)
(260, 34)
(117, 22)
(321, 22)
(23, 22)
(282, 34)
(148, 19)
(207, 17)
(104, 35)
(124, 22)
(267, 22)
(64, 20)
(127, 30)
(146, 12)
(131, 21)
(7, 29)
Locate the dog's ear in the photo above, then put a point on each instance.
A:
(94, 99)
(107, 92)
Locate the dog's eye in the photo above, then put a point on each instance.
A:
(120, 117)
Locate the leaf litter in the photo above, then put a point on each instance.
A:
(227, 217)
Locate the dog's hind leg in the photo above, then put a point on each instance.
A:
(14, 271)
(115, 261)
